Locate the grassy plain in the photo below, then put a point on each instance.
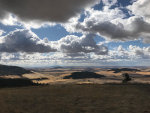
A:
(101, 93)
(72, 98)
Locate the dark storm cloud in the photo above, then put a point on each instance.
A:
(44, 10)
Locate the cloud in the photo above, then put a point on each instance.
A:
(1, 32)
(44, 10)
(112, 24)
(85, 44)
(141, 8)
(93, 17)
(132, 53)
(129, 56)
(9, 20)
(142, 53)
(109, 2)
(12, 20)
(23, 41)
(135, 27)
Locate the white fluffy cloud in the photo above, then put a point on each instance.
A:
(23, 41)
(1, 32)
(141, 8)
(113, 24)
(132, 53)
(84, 44)
(26, 41)
(143, 53)
(93, 18)
(109, 2)
(117, 56)
(9, 20)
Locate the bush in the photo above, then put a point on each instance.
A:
(126, 77)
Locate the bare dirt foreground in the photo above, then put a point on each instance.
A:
(71, 98)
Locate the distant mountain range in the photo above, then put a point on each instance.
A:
(13, 70)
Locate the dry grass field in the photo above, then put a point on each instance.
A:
(57, 75)
(71, 98)
(112, 75)
(90, 90)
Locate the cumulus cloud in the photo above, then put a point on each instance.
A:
(116, 56)
(86, 44)
(132, 53)
(9, 20)
(112, 24)
(109, 2)
(141, 8)
(1, 32)
(135, 27)
(23, 41)
(143, 53)
(44, 10)
(93, 17)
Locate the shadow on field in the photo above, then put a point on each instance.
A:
(83, 75)
(117, 70)
(13, 70)
(19, 82)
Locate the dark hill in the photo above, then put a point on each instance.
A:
(12, 70)
(83, 75)
(117, 70)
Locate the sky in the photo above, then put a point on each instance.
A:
(75, 33)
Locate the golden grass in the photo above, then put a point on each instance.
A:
(72, 98)
(143, 73)
(57, 77)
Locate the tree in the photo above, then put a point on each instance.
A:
(126, 77)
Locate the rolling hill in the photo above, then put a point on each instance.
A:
(12, 70)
